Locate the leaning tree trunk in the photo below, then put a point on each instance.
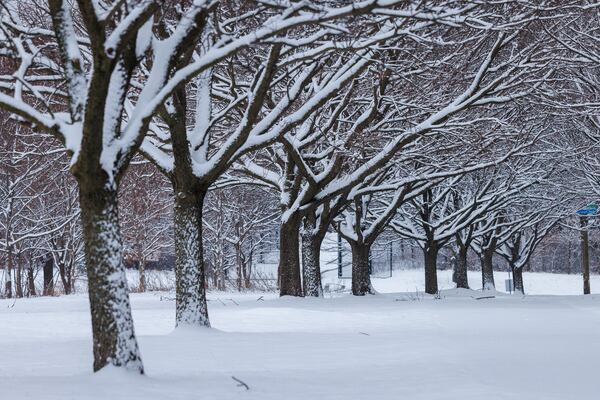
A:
(361, 277)
(311, 263)
(487, 270)
(290, 283)
(430, 253)
(460, 273)
(114, 339)
(190, 303)
(518, 280)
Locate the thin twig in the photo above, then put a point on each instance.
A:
(240, 383)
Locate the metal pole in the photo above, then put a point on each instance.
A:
(340, 272)
(391, 257)
(585, 255)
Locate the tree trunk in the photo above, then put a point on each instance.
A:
(30, 279)
(66, 276)
(430, 253)
(48, 276)
(361, 278)
(460, 274)
(487, 270)
(8, 274)
(311, 264)
(239, 266)
(190, 307)
(114, 339)
(290, 282)
(19, 278)
(142, 272)
(518, 280)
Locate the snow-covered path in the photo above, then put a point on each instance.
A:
(389, 346)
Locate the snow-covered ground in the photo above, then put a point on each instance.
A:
(387, 346)
(535, 283)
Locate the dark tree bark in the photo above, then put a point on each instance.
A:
(19, 277)
(430, 253)
(48, 272)
(114, 339)
(30, 280)
(8, 274)
(289, 257)
(518, 280)
(460, 274)
(361, 277)
(191, 308)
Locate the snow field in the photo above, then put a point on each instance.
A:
(387, 346)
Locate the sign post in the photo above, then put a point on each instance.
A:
(590, 210)
(339, 260)
(585, 255)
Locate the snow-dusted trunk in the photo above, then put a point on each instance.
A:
(487, 269)
(114, 339)
(290, 283)
(430, 255)
(517, 274)
(311, 263)
(361, 276)
(66, 276)
(190, 308)
(460, 272)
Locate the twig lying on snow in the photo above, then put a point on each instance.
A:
(484, 297)
(364, 333)
(240, 383)
(261, 298)
(233, 301)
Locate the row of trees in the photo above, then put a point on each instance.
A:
(445, 121)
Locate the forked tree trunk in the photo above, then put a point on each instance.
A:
(190, 303)
(518, 280)
(66, 276)
(460, 273)
(361, 277)
(487, 270)
(430, 254)
(114, 339)
(290, 283)
(311, 264)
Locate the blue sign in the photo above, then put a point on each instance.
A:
(590, 209)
